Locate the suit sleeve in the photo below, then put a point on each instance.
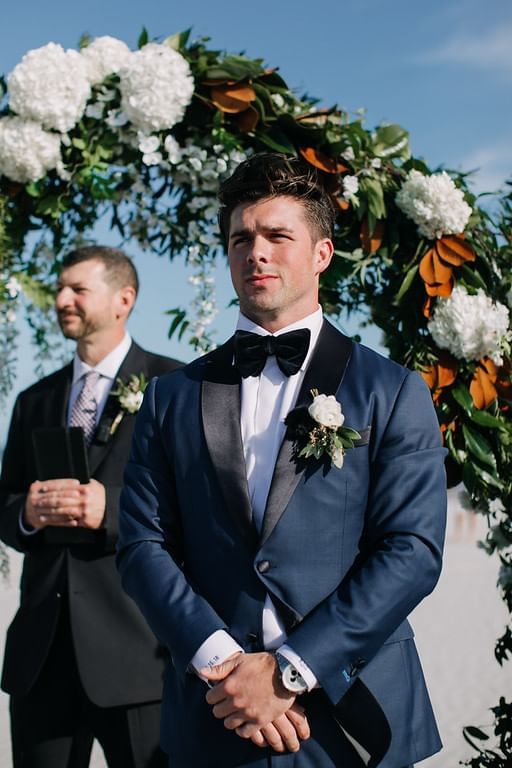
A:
(150, 555)
(13, 485)
(401, 555)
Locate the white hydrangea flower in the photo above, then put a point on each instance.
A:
(104, 56)
(50, 86)
(27, 151)
(156, 87)
(470, 326)
(434, 203)
(350, 186)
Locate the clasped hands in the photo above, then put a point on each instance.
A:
(66, 503)
(249, 696)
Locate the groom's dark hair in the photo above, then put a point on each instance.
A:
(270, 174)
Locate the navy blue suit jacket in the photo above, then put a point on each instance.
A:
(346, 554)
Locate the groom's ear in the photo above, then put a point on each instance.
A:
(324, 250)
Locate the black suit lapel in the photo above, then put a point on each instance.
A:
(325, 372)
(220, 406)
(133, 363)
(58, 404)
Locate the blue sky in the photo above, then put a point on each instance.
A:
(441, 69)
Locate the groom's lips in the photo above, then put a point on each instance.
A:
(260, 279)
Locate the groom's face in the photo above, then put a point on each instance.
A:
(275, 261)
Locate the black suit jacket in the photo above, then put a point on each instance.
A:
(119, 661)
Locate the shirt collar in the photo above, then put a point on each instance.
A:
(313, 322)
(108, 367)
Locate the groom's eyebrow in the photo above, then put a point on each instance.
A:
(274, 228)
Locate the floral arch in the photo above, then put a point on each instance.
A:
(144, 137)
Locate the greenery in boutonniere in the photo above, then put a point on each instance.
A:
(319, 429)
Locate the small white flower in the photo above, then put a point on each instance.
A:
(173, 149)
(95, 111)
(13, 287)
(148, 144)
(152, 158)
(350, 186)
(376, 163)
(326, 410)
(434, 203)
(470, 326)
(278, 100)
(348, 154)
(496, 506)
(116, 118)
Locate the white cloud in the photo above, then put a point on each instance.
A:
(489, 50)
(493, 166)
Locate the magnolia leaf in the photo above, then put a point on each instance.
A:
(375, 194)
(486, 419)
(479, 446)
(406, 284)
(464, 399)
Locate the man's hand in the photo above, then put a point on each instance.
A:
(65, 503)
(251, 700)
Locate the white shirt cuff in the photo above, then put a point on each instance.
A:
(215, 650)
(26, 531)
(300, 665)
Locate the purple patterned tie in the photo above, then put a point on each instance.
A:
(83, 413)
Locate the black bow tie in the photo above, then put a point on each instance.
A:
(251, 351)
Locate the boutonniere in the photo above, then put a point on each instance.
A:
(318, 430)
(129, 396)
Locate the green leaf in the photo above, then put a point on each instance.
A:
(486, 419)
(281, 144)
(479, 447)
(392, 141)
(406, 284)
(471, 730)
(464, 399)
(179, 40)
(375, 194)
(143, 38)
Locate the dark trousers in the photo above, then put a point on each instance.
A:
(55, 724)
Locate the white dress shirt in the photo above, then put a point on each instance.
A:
(266, 400)
(107, 368)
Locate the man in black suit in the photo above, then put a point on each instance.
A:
(80, 662)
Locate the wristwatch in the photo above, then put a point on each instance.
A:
(291, 678)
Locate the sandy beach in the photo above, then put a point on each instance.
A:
(455, 631)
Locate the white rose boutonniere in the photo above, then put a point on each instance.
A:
(318, 430)
(129, 395)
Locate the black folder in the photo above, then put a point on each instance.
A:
(60, 452)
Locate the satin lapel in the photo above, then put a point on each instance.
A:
(325, 372)
(134, 362)
(220, 407)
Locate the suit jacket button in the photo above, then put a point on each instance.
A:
(263, 566)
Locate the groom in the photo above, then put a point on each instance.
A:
(281, 584)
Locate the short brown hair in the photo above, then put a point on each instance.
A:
(270, 174)
(119, 268)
